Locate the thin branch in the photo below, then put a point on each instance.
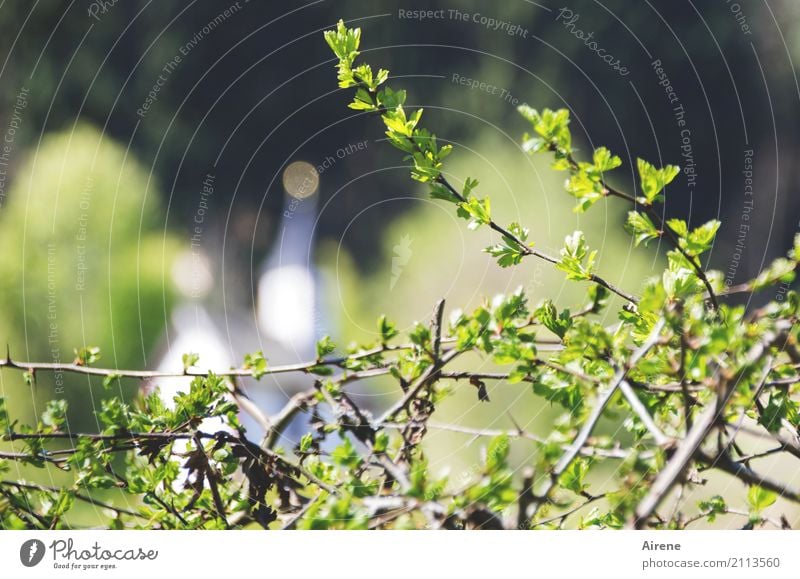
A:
(640, 410)
(787, 444)
(527, 250)
(420, 383)
(562, 516)
(603, 400)
(436, 328)
(729, 511)
(747, 475)
(688, 401)
(304, 367)
(211, 476)
(690, 445)
(292, 522)
(77, 495)
(664, 230)
(281, 420)
(587, 450)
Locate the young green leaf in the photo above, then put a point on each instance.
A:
(87, 356)
(325, 346)
(759, 499)
(387, 329)
(641, 227)
(476, 211)
(189, 360)
(550, 318)
(576, 259)
(256, 363)
(654, 180)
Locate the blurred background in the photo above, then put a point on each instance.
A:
(187, 177)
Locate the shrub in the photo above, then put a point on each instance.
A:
(690, 371)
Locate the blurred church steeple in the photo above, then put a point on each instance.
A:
(288, 288)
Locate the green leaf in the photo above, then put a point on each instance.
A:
(306, 442)
(420, 336)
(654, 180)
(641, 227)
(392, 99)
(604, 161)
(713, 507)
(321, 370)
(5, 423)
(381, 442)
(344, 42)
(679, 226)
(550, 318)
(387, 329)
(700, 240)
(573, 477)
(794, 253)
(759, 499)
(586, 189)
(576, 260)
(87, 356)
(497, 453)
(552, 126)
(477, 211)
(55, 414)
(256, 363)
(780, 270)
(510, 251)
(324, 347)
(189, 360)
(553, 389)
(441, 191)
(109, 380)
(775, 411)
(345, 455)
(528, 113)
(363, 101)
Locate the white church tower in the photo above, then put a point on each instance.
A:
(285, 323)
(287, 300)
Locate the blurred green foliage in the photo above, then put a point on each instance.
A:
(85, 259)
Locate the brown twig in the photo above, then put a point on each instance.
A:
(603, 400)
(690, 445)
